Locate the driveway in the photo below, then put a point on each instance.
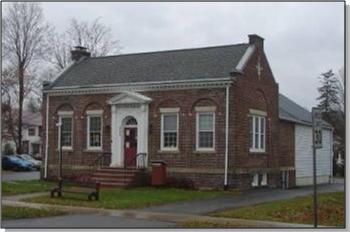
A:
(250, 197)
(85, 221)
(13, 176)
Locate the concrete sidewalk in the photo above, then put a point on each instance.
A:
(103, 218)
(248, 198)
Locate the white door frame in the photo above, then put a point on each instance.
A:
(124, 105)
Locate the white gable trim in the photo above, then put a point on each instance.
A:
(243, 62)
(129, 98)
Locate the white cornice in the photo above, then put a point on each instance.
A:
(141, 87)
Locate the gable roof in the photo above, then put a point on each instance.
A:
(291, 111)
(31, 119)
(173, 65)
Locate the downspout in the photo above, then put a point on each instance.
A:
(46, 135)
(226, 134)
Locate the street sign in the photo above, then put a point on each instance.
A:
(317, 127)
(318, 137)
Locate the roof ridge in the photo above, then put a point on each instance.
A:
(171, 50)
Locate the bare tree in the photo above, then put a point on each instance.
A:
(95, 36)
(9, 90)
(24, 34)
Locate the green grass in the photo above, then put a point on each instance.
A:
(204, 224)
(129, 198)
(297, 210)
(20, 187)
(11, 212)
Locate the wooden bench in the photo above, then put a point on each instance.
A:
(68, 186)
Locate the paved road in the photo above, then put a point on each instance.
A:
(87, 221)
(251, 197)
(12, 176)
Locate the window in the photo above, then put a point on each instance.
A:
(94, 132)
(66, 127)
(169, 131)
(31, 131)
(257, 133)
(205, 131)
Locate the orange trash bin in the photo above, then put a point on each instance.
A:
(158, 173)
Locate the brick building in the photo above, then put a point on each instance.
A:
(212, 114)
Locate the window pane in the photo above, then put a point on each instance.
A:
(95, 131)
(66, 124)
(206, 139)
(262, 131)
(95, 123)
(31, 131)
(205, 122)
(250, 131)
(170, 139)
(95, 139)
(66, 132)
(170, 122)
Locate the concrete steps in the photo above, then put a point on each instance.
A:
(120, 177)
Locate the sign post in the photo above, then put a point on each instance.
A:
(59, 125)
(316, 144)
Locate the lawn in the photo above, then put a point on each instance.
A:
(11, 212)
(130, 198)
(204, 224)
(297, 210)
(19, 187)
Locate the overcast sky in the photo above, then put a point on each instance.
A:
(302, 40)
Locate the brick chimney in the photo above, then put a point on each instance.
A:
(79, 52)
(257, 40)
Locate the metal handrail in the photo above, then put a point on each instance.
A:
(99, 161)
(132, 160)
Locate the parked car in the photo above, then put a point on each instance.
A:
(36, 163)
(12, 162)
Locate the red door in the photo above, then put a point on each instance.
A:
(130, 146)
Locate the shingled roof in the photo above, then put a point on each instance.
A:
(291, 111)
(173, 65)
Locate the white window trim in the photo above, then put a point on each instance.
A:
(65, 114)
(205, 109)
(197, 131)
(253, 149)
(89, 115)
(169, 110)
(162, 148)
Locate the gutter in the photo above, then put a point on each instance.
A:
(226, 135)
(47, 136)
(138, 84)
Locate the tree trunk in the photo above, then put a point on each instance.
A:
(20, 110)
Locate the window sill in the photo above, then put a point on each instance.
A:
(203, 151)
(93, 150)
(257, 151)
(168, 151)
(65, 149)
